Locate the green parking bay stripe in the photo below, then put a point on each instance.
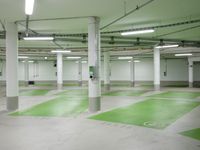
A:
(58, 107)
(39, 92)
(194, 133)
(177, 94)
(126, 93)
(152, 113)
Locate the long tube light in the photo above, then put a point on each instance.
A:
(138, 32)
(186, 54)
(23, 57)
(38, 38)
(135, 61)
(73, 57)
(29, 4)
(167, 46)
(60, 51)
(123, 58)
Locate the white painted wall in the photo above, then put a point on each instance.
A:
(177, 70)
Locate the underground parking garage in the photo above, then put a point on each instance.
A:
(109, 74)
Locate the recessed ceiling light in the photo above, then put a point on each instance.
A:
(29, 4)
(45, 57)
(186, 54)
(38, 38)
(167, 46)
(60, 51)
(122, 58)
(138, 32)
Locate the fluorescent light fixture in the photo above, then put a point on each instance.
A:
(186, 54)
(73, 57)
(23, 61)
(29, 4)
(84, 62)
(23, 57)
(38, 38)
(136, 61)
(167, 46)
(60, 51)
(45, 57)
(123, 58)
(138, 32)
(30, 61)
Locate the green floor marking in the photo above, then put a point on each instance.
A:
(125, 93)
(195, 133)
(152, 113)
(74, 93)
(38, 92)
(68, 103)
(58, 107)
(174, 94)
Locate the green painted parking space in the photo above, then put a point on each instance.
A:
(37, 92)
(74, 93)
(126, 93)
(194, 133)
(177, 94)
(58, 107)
(151, 113)
(67, 103)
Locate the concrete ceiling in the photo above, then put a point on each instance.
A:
(156, 13)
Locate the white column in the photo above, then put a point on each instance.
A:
(157, 69)
(132, 71)
(107, 70)
(12, 66)
(190, 72)
(80, 72)
(59, 70)
(94, 59)
(26, 72)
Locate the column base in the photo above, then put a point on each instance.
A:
(132, 83)
(94, 104)
(157, 87)
(107, 87)
(59, 86)
(191, 84)
(12, 103)
(80, 83)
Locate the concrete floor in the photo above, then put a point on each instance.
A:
(80, 133)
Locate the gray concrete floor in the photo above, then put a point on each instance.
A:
(80, 133)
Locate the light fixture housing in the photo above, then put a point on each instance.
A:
(39, 38)
(125, 57)
(136, 61)
(60, 51)
(184, 54)
(29, 4)
(23, 57)
(73, 57)
(167, 46)
(138, 32)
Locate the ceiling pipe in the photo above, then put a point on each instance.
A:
(126, 14)
(54, 19)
